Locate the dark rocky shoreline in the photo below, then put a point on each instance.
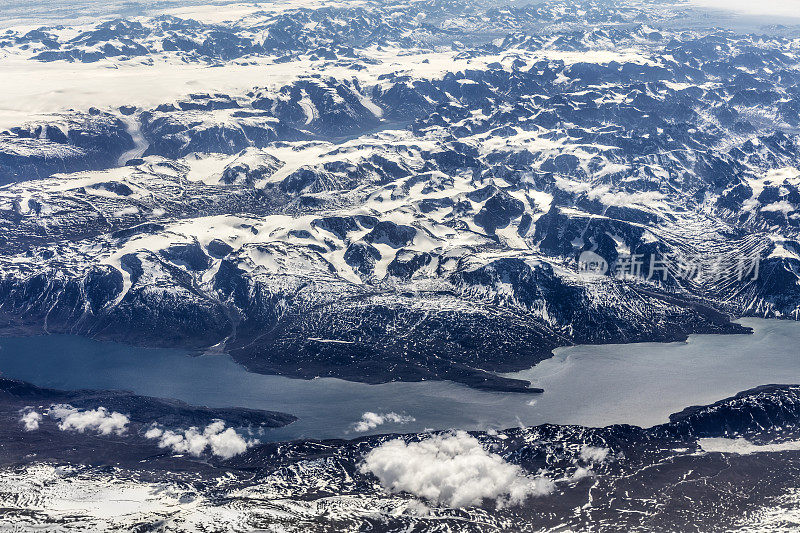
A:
(648, 479)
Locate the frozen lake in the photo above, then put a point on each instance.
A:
(637, 384)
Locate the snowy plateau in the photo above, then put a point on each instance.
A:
(382, 191)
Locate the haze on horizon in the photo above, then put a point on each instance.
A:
(19, 12)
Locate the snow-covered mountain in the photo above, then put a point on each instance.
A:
(409, 199)
(394, 191)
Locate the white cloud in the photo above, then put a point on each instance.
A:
(590, 455)
(783, 8)
(126, 211)
(223, 442)
(594, 454)
(581, 473)
(99, 420)
(370, 420)
(31, 420)
(781, 206)
(453, 470)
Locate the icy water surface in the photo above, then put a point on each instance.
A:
(637, 384)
